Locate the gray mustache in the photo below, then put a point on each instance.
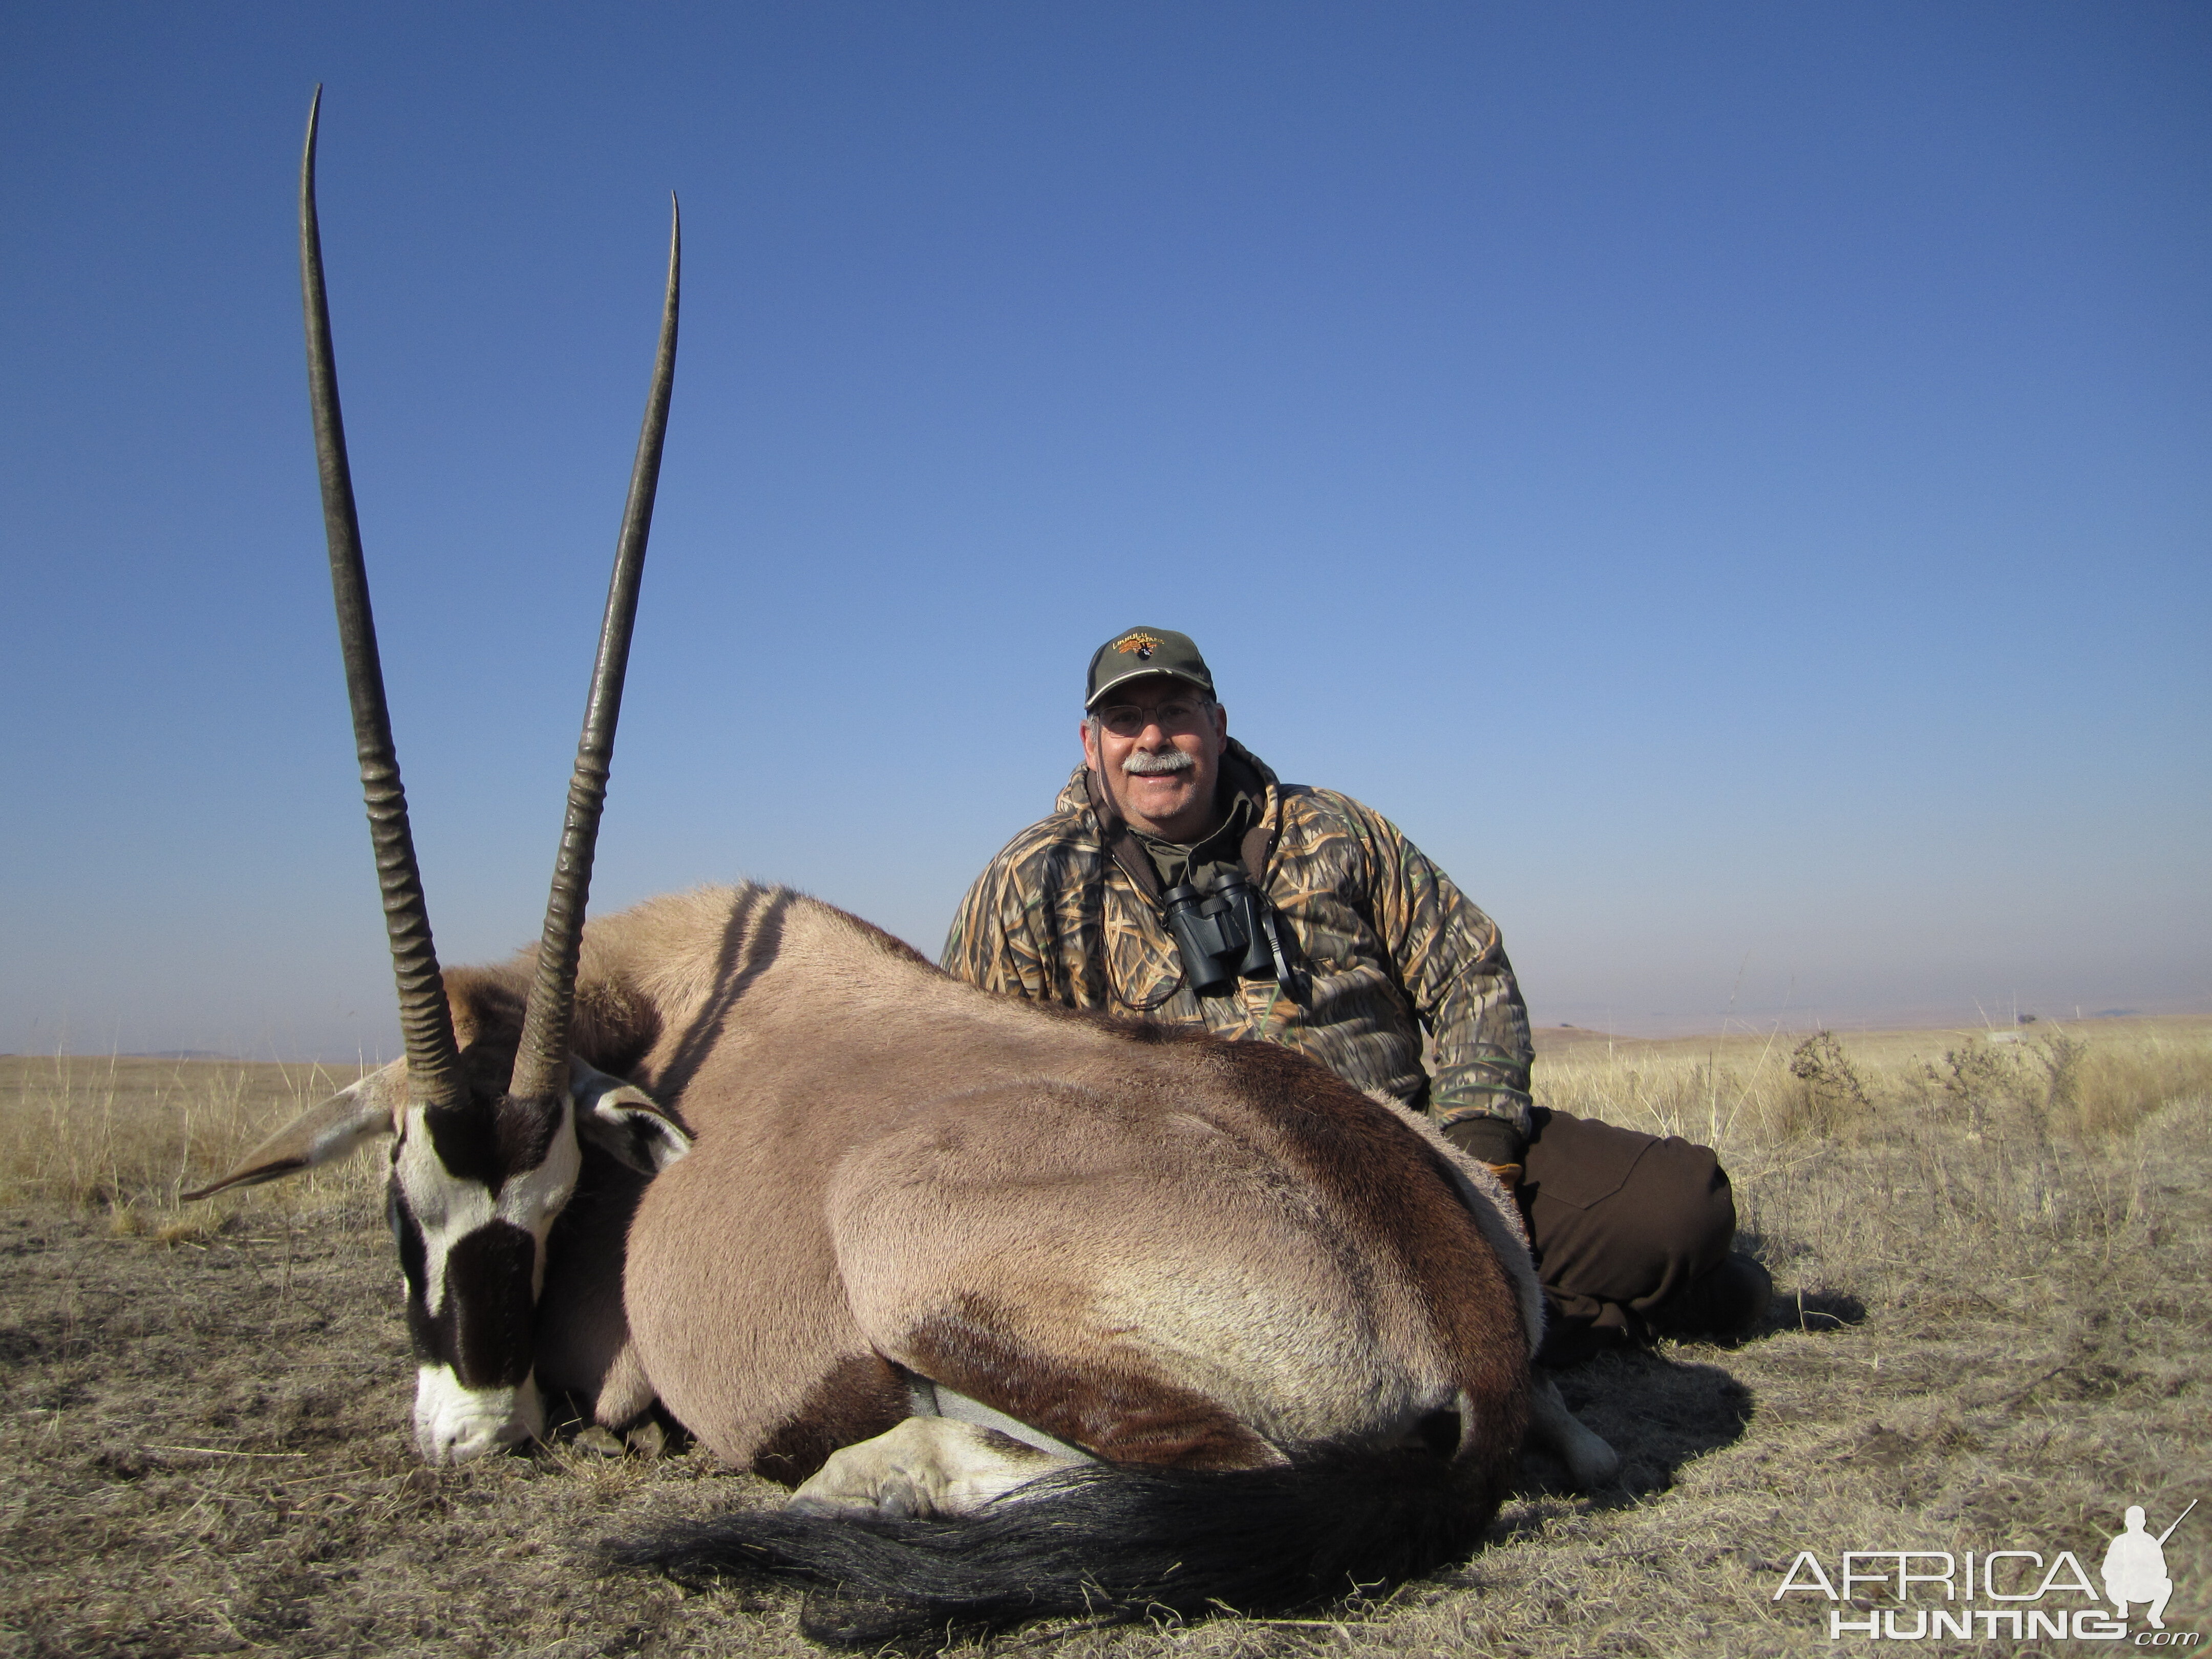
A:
(1142, 765)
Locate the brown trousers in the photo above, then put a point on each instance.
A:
(1621, 1223)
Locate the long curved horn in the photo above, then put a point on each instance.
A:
(434, 1066)
(541, 1065)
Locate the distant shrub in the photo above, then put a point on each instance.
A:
(1971, 1080)
(1828, 1094)
(2065, 1084)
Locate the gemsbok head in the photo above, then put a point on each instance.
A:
(486, 1134)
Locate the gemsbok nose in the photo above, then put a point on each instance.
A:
(453, 1424)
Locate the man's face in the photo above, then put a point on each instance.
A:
(1159, 746)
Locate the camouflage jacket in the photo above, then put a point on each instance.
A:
(1384, 945)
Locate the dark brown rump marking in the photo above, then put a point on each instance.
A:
(861, 1398)
(1114, 1412)
(1384, 1179)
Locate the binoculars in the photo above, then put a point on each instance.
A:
(1224, 936)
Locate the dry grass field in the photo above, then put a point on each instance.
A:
(1993, 1333)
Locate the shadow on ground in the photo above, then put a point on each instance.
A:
(1814, 1311)
(1661, 1408)
(1657, 1410)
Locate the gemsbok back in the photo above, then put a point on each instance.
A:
(1041, 1313)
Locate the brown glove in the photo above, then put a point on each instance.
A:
(1490, 1140)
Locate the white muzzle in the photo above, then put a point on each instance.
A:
(453, 1424)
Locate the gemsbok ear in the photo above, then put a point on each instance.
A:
(623, 1120)
(322, 1134)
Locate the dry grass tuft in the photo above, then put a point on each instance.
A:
(1994, 1261)
(2106, 1088)
(2090, 1083)
(128, 1134)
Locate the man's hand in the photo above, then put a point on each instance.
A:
(1490, 1141)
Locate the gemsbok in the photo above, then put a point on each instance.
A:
(1042, 1312)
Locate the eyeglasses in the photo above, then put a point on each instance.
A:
(1126, 719)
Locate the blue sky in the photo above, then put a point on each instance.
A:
(1730, 481)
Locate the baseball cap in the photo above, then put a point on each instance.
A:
(1134, 652)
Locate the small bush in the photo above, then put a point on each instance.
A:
(1829, 1096)
(1971, 1080)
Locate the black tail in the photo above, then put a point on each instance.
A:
(1114, 1543)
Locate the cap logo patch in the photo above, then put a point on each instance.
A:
(1142, 644)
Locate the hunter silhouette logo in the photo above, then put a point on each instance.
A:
(2135, 1566)
(1142, 644)
(2002, 1594)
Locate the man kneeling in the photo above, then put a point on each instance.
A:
(1179, 880)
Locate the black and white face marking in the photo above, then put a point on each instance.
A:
(473, 1194)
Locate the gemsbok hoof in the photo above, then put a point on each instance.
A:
(1591, 1463)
